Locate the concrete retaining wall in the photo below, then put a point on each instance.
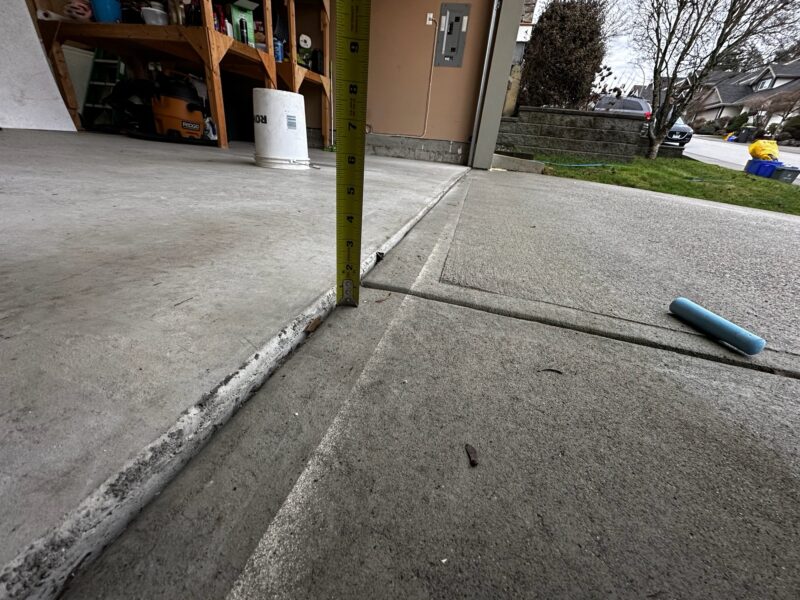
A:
(444, 151)
(397, 146)
(580, 133)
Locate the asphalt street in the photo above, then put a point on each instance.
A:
(730, 154)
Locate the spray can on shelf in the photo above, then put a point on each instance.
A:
(278, 44)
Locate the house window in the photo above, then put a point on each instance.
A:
(764, 84)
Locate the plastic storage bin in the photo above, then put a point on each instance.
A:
(786, 174)
(762, 168)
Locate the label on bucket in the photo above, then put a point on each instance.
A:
(260, 119)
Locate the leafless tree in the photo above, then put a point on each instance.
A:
(686, 39)
(784, 104)
(617, 17)
(781, 104)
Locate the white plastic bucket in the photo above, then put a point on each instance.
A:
(280, 129)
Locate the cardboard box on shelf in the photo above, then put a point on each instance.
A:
(242, 21)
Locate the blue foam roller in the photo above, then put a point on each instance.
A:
(717, 327)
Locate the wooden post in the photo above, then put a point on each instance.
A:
(325, 20)
(211, 60)
(64, 82)
(268, 28)
(271, 79)
(292, 41)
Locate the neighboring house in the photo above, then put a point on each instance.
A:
(728, 93)
(642, 91)
(645, 92)
(775, 82)
(720, 94)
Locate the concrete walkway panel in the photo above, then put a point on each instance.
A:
(605, 469)
(626, 253)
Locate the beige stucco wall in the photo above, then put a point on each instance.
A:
(401, 47)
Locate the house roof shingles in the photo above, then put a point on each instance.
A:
(733, 88)
(791, 69)
(716, 77)
(731, 92)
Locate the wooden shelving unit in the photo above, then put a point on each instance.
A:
(194, 45)
(294, 75)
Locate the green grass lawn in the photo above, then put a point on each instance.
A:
(685, 177)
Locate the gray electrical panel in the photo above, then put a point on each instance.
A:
(453, 22)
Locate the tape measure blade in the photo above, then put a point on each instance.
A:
(350, 87)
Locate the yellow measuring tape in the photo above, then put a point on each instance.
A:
(352, 61)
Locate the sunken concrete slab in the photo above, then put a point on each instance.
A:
(134, 278)
(604, 468)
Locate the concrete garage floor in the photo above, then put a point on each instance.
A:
(134, 277)
(620, 453)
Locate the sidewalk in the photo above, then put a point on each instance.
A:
(619, 452)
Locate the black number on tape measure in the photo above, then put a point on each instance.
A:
(350, 243)
(350, 218)
(353, 88)
(354, 47)
(351, 159)
(348, 267)
(351, 125)
(351, 190)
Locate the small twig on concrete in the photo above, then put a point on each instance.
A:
(182, 301)
(472, 454)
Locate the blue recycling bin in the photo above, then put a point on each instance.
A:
(762, 168)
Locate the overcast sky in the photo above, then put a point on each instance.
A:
(625, 64)
(620, 56)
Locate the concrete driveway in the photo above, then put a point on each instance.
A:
(620, 454)
(135, 277)
(730, 154)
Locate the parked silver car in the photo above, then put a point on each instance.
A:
(626, 106)
(680, 133)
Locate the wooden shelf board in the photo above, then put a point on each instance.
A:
(119, 31)
(153, 36)
(316, 78)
